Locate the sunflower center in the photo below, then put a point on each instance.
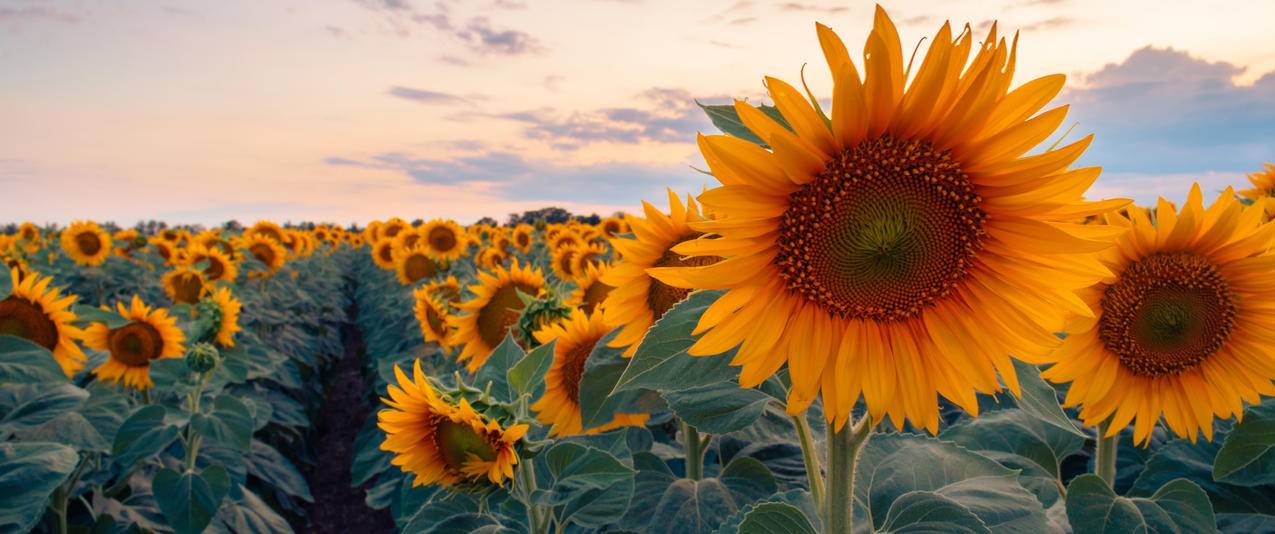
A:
(434, 320)
(442, 239)
(418, 267)
(1167, 313)
(523, 240)
(573, 369)
(386, 252)
(662, 297)
(263, 252)
(889, 227)
(456, 442)
(187, 288)
(502, 311)
(410, 240)
(88, 242)
(594, 294)
(136, 344)
(215, 268)
(564, 262)
(21, 318)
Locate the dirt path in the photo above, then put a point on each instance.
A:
(339, 508)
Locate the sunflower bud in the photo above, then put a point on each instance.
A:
(536, 315)
(202, 357)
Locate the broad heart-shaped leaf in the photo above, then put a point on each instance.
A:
(24, 362)
(26, 406)
(1245, 523)
(70, 428)
(527, 376)
(770, 517)
(661, 362)
(1179, 506)
(892, 465)
(29, 472)
(188, 500)
(1182, 459)
(587, 486)
(598, 405)
(494, 371)
(718, 408)
(1247, 457)
(267, 464)
(1015, 439)
(142, 435)
(726, 119)
(86, 315)
(229, 423)
(701, 506)
(105, 410)
(776, 519)
(1040, 399)
(248, 514)
(927, 511)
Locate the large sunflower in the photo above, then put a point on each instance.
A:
(559, 407)
(1182, 328)
(229, 308)
(267, 251)
(638, 299)
(485, 319)
(414, 264)
(590, 291)
(445, 238)
(86, 243)
(184, 285)
(1263, 189)
(903, 247)
(150, 335)
(444, 442)
(221, 267)
(36, 312)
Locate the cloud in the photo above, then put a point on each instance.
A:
(479, 34)
(812, 8)
(666, 116)
(1162, 111)
(425, 96)
(485, 39)
(335, 31)
(1050, 24)
(36, 13)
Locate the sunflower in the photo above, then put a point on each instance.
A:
(447, 289)
(14, 262)
(86, 243)
(171, 235)
(220, 266)
(1182, 328)
(126, 242)
(432, 312)
(392, 227)
(152, 334)
(372, 233)
(442, 442)
(407, 239)
(383, 253)
(590, 291)
(184, 285)
(446, 240)
(415, 264)
(640, 299)
(165, 250)
(523, 238)
(266, 229)
(267, 251)
(588, 255)
(905, 246)
(29, 232)
(560, 405)
(492, 257)
(484, 319)
(229, 307)
(37, 313)
(611, 226)
(560, 261)
(1263, 189)
(564, 239)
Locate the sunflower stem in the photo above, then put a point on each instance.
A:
(694, 452)
(843, 454)
(1104, 461)
(814, 473)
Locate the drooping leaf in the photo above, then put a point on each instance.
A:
(588, 486)
(661, 362)
(268, 464)
(527, 376)
(29, 472)
(598, 405)
(24, 362)
(1179, 506)
(718, 408)
(1247, 457)
(26, 406)
(190, 500)
(1040, 400)
(142, 435)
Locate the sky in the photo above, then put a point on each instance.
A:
(354, 110)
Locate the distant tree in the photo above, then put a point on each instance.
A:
(549, 215)
(418, 221)
(488, 221)
(591, 219)
(232, 226)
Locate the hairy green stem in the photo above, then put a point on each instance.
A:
(843, 454)
(694, 452)
(1104, 461)
(814, 472)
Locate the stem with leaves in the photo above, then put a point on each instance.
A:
(694, 452)
(809, 455)
(1104, 461)
(63, 493)
(843, 455)
(193, 439)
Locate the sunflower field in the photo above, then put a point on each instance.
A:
(899, 315)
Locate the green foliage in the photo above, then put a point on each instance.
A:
(1178, 506)
(24, 362)
(1247, 458)
(726, 119)
(29, 472)
(190, 500)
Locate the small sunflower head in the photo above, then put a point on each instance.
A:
(202, 357)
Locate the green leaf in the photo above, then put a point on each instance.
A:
(775, 517)
(188, 500)
(1194, 461)
(892, 465)
(24, 362)
(598, 405)
(661, 362)
(26, 406)
(726, 119)
(6, 283)
(86, 315)
(1247, 457)
(495, 369)
(1245, 523)
(105, 410)
(798, 499)
(926, 511)
(1041, 399)
(1179, 506)
(29, 472)
(1018, 440)
(718, 408)
(269, 465)
(142, 435)
(588, 486)
(70, 428)
(230, 423)
(248, 514)
(527, 376)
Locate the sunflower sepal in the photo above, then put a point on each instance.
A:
(727, 120)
